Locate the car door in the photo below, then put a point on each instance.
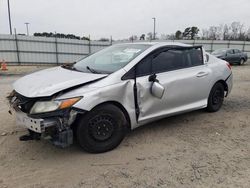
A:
(183, 76)
(237, 55)
(230, 56)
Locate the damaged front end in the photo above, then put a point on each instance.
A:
(54, 123)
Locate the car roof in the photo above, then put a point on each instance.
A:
(159, 44)
(227, 49)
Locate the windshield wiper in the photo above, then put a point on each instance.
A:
(92, 70)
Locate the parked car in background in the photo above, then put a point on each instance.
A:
(231, 55)
(118, 88)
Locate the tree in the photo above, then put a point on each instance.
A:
(142, 37)
(242, 34)
(187, 33)
(213, 32)
(225, 32)
(57, 35)
(133, 37)
(104, 39)
(178, 34)
(248, 34)
(205, 34)
(233, 31)
(85, 38)
(194, 32)
(163, 37)
(237, 30)
(171, 36)
(149, 36)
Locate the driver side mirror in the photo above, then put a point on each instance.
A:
(157, 90)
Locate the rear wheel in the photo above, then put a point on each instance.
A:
(241, 62)
(216, 97)
(101, 129)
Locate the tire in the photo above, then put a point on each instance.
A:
(216, 97)
(102, 129)
(242, 61)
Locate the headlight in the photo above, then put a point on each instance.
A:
(49, 106)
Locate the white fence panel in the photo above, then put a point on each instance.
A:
(33, 50)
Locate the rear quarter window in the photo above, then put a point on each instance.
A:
(195, 57)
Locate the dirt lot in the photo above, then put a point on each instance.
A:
(197, 149)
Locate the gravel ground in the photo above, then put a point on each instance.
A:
(196, 149)
(22, 70)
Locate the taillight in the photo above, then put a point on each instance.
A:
(229, 66)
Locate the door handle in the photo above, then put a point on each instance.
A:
(201, 74)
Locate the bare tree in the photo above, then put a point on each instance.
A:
(214, 32)
(133, 38)
(248, 34)
(237, 29)
(234, 31)
(204, 34)
(242, 32)
(163, 37)
(225, 32)
(149, 36)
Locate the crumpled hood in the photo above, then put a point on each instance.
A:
(50, 81)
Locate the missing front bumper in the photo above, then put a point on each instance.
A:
(55, 128)
(37, 125)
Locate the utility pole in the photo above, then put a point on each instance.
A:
(27, 28)
(154, 28)
(9, 17)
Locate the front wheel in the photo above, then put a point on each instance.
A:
(102, 129)
(216, 97)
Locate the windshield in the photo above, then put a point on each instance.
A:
(221, 51)
(110, 59)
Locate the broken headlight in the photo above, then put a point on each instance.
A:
(49, 106)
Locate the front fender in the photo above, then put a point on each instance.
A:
(121, 93)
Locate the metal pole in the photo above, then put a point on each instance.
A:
(89, 45)
(154, 29)
(228, 44)
(17, 48)
(9, 17)
(27, 28)
(243, 47)
(212, 44)
(56, 48)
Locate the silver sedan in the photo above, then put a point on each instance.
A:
(119, 88)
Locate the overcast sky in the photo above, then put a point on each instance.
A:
(120, 18)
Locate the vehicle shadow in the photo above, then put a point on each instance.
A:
(169, 125)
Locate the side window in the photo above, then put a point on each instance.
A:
(144, 67)
(230, 51)
(236, 51)
(169, 60)
(175, 59)
(196, 58)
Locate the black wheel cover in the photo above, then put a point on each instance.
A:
(217, 97)
(101, 127)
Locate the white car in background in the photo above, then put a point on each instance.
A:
(117, 89)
